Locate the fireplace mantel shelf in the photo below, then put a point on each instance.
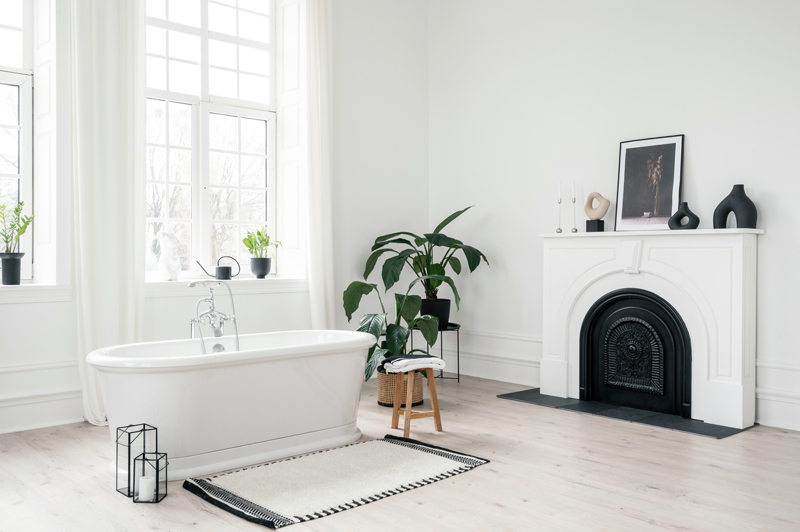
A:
(686, 232)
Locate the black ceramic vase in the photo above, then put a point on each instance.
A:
(260, 267)
(12, 267)
(684, 212)
(740, 205)
(439, 308)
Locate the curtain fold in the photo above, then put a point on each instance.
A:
(320, 250)
(107, 151)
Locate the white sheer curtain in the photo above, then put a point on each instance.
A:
(107, 93)
(320, 252)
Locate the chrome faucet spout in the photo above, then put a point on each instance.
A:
(212, 317)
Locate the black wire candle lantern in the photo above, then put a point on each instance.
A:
(150, 477)
(132, 441)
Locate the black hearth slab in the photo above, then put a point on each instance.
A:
(624, 413)
(535, 397)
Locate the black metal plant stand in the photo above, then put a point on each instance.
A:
(450, 328)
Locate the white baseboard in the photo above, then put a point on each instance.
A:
(778, 394)
(35, 411)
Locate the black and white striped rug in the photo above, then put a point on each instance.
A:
(327, 482)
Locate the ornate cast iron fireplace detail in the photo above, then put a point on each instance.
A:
(635, 351)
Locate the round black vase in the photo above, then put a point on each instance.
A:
(12, 267)
(439, 308)
(684, 212)
(260, 267)
(740, 205)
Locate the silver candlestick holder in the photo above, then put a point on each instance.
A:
(574, 222)
(559, 216)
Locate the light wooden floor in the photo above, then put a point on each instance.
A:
(549, 470)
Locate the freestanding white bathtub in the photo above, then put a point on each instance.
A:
(281, 394)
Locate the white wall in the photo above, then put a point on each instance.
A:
(380, 131)
(524, 94)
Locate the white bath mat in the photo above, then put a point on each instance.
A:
(315, 485)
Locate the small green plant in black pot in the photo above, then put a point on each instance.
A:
(258, 244)
(12, 226)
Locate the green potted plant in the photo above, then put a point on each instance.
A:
(417, 252)
(258, 244)
(392, 338)
(12, 226)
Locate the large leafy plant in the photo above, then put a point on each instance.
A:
(391, 338)
(257, 243)
(12, 226)
(417, 252)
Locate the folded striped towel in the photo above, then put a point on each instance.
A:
(404, 363)
(405, 369)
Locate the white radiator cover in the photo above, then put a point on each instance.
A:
(708, 276)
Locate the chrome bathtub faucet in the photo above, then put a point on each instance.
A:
(212, 317)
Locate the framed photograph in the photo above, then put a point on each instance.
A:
(649, 183)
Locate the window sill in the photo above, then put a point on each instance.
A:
(270, 285)
(34, 293)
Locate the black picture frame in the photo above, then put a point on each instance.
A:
(648, 183)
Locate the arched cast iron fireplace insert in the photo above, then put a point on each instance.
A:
(635, 351)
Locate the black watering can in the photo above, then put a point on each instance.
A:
(223, 272)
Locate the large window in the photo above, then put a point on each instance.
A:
(210, 167)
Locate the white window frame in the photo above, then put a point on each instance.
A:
(25, 126)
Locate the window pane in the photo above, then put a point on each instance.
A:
(222, 19)
(254, 136)
(9, 105)
(156, 41)
(253, 88)
(253, 27)
(10, 48)
(180, 201)
(185, 12)
(9, 191)
(184, 233)
(180, 124)
(223, 169)
(254, 172)
(261, 6)
(154, 200)
(155, 164)
(222, 82)
(184, 46)
(12, 12)
(254, 60)
(155, 121)
(223, 204)
(254, 206)
(224, 238)
(184, 77)
(156, 73)
(180, 165)
(221, 54)
(223, 133)
(152, 246)
(9, 151)
(156, 9)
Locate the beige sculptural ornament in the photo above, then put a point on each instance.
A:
(595, 213)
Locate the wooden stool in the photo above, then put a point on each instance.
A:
(411, 414)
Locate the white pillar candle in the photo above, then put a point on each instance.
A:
(147, 489)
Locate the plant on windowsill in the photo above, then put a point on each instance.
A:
(392, 338)
(12, 226)
(419, 256)
(258, 244)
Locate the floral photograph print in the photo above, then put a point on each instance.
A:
(649, 183)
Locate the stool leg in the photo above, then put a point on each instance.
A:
(409, 400)
(398, 398)
(437, 419)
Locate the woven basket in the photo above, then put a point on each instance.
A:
(386, 383)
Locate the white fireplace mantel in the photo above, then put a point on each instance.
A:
(708, 276)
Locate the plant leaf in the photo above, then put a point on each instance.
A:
(455, 264)
(353, 294)
(394, 266)
(379, 245)
(373, 359)
(451, 218)
(473, 257)
(444, 278)
(372, 260)
(373, 324)
(438, 239)
(436, 269)
(411, 307)
(392, 235)
(396, 338)
(428, 326)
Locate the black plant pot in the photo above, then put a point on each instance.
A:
(439, 308)
(684, 212)
(740, 205)
(260, 267)
(12, 266)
